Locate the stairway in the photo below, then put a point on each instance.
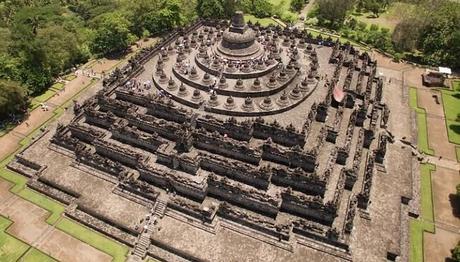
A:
(142, 246)
(160, 206)
(143, 242)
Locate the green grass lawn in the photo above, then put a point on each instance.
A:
(451, 103)
(35, 255)
(426, 221)
(45, 96)
(315, 32)
(262, 21)
(70, 77)
(57, 86)
(426, 196)
(456, 86)
(92, 238)
(282, 8)
(11, 248)
(416, 229)
(388, 19)
(422, 134)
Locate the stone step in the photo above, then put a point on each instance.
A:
(144, 242)
(139, 253)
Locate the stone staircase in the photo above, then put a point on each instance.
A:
(139, 251)
(142, 246)
(160, 206)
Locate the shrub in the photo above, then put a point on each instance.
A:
(374, 27)
(456, 253)
(385, 30)
(312, 21)
(362, 26)
(352, 22)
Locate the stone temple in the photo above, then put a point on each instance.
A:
(233, 142)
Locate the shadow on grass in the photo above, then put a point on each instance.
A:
(456, 95)
(455, 128)
(455, 204)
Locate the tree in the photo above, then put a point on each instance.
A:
(155, 16)
(211, 9)
(261, 8)
(332, 13)
(406, 34)
(374, 6)
(296, 5)
(13, 98)
(112, 34)
(456, 253)
(44, 43)
(440, 37)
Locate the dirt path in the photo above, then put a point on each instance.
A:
(437, 246)
(444, 197)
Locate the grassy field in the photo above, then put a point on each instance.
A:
(426, 221)
(283, 9)
(390, 18)
(11, 248)
(451, 103)
(426, 196)
(94, 239)
(456, 86)
(70, 77)
(417, 227)
(422, 134)
(262, 21)
(35, 102)
(57, 86)
(34, 255)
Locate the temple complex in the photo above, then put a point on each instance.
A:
(230, 141)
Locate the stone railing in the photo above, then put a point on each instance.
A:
(172, 181)
(85, 133)
(232, 128)
(216, 143)
(308, 206)
(84, 155)
(294, 157)
(364, 195)
(132, 136)
(104, 225)
(246, 173)
(192, 208)
(234, 192)
(309, 183)
(120, 154)
(287, 136)
(282, 232)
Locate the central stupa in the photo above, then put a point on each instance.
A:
(239, 40)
